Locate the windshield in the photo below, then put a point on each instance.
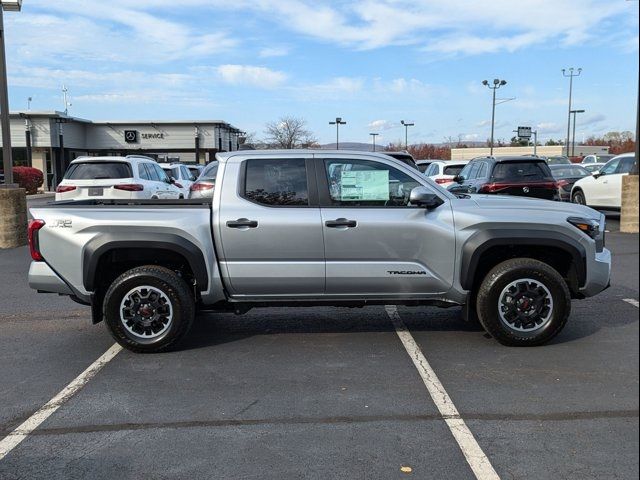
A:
(569, 171)
(210, 171)
(98, 170)
(521, 171)
(453, 169)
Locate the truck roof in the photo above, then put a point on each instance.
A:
(224, 156)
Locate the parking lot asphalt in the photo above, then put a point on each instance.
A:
(321, 392)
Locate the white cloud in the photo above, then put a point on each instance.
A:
(381, 125)
(269, 52)
(445, 26)
(261, 77)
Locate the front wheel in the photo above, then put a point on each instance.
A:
(523, 302)
(148, 309)
(579, 198)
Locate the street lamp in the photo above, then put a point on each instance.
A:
(406, 133)
(7, 160)
(570, 76)
(373, 137)
(337, 123)
(573, 143)
(497, 83)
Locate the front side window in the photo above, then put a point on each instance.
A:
(610, 167)
(364, 183)
(277, 182)
(162, 175)
(626, 165)
(466, 171)
(483, 170)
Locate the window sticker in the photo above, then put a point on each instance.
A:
(364, 185)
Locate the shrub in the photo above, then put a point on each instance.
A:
(28, 178)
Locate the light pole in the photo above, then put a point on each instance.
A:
(570, 75)
(406, 133)
(573, 143)
(337, 123)
(373, 137)
(497, 83)
(7, 160)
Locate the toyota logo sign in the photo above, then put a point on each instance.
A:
(131, 136)
(525, 189)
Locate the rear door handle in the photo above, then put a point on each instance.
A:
(242, 223)
(341, 222)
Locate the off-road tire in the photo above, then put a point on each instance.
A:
(172, 286)
(504, 274)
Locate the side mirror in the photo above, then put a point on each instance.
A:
(422, 197)
(458, 179)
(171, 180)
(597, 174)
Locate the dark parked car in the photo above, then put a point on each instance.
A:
(566, 176)
(404, 157)
(519, 176)
(424, 164)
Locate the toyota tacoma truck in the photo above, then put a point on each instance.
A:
(310, 228)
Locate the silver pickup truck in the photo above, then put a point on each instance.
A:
(305, 228)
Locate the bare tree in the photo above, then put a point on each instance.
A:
(289, 132)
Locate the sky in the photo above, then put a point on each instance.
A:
(373, 63)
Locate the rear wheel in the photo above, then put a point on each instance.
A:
(579, 198)
(523, 302)
(148, 309)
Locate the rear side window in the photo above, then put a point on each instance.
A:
(453, 169)
(151, 172)
(142, 172)
(521, 171)
(98, 170)
(276, 182)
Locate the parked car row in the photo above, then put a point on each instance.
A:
(133, 177)
(138, 177)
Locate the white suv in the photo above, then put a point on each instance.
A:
(130, 177)
(182, 176)
(604, 189)
(443, 172)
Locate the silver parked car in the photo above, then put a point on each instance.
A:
(204, 185)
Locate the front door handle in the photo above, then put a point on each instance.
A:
(242, 223)
(341, 222)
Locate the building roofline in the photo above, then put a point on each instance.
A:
(57, 114)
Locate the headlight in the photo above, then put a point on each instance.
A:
(587, 225)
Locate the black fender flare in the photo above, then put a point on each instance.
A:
(479, 243)
(98, 246)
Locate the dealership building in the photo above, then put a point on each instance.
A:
(49, 140)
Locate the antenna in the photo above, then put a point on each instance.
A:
(66, 100)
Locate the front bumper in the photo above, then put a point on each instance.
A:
(598, 274)
(44, 279)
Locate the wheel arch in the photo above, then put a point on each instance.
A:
(150, 243)
(485, 249)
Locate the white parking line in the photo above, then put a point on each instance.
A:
(478, 461)
(631, 301)
(12, 440)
